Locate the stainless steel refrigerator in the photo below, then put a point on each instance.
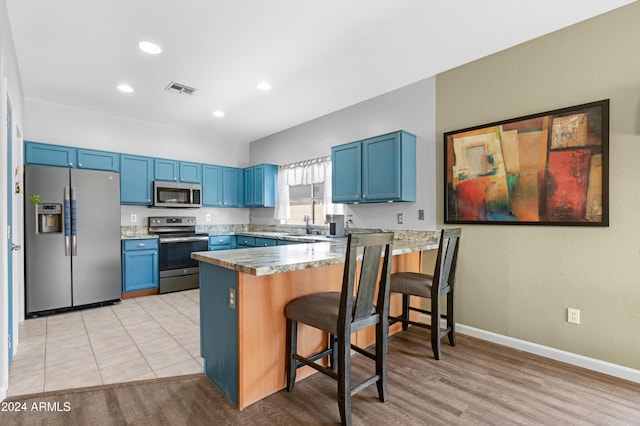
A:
(72, 238)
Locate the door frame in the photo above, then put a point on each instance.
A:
(10, 227)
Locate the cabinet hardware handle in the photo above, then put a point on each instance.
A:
(79, 164)
(141, 245)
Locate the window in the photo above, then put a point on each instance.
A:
(306, 200)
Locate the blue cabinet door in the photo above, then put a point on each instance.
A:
(49, 155)
(375, 170)
(211, 186)
(190, 172)
(381, 168)
(166, 170)
(260, 185)
(139, 265)
(249, 199)
(346, 179)
(269, 184)
(98, 160)
(232, 187)
(136, 180)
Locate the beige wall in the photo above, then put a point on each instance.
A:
(519, 280)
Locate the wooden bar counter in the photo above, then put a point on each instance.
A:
(242, 298)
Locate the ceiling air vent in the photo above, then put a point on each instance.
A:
(179, 88)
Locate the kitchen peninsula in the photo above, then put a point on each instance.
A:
(242, 298)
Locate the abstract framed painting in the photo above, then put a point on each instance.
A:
(550, 168)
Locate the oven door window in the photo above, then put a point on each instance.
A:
(177, 255)
(173, 195)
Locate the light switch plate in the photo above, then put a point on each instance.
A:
(134, 218)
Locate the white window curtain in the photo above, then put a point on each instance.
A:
(304, 173)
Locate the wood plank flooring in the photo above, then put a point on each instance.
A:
(475, 383)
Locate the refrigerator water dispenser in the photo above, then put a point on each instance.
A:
(49, 218)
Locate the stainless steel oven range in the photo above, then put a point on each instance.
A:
(178, 239)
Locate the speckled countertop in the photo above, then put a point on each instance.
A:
(277, 259)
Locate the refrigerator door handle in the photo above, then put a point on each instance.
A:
(74, 223)
(67, 221)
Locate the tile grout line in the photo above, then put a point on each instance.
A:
(167, 331)
(91, 345)
(133, 340)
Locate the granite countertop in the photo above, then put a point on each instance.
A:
(273, 260)
(137, 236)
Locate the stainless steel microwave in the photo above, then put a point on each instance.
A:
(173, 194)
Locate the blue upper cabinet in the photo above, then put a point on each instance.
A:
(136, 180)
(260, 185)
(221, 186)
(190, 172)
(66, 156)
(346, 179)
(166, 170)
(177, 171)
(98, 160)
(375, 170)
(232, 187)
(49, 155)
(211, 186)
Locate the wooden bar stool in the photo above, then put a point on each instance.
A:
(431, 287)
(340, 314)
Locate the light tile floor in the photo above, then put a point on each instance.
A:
(136, 339)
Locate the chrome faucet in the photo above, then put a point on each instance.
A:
(307, 220)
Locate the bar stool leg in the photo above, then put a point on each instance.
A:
(292, 343)
(344, 378)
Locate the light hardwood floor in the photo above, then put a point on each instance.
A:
(475, 383)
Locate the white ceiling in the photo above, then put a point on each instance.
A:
(320, 56)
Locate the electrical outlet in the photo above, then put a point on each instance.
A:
(420, 214)
(207, 217)
(573, 315)
(232, 298)
(400, 218)
(134, 218)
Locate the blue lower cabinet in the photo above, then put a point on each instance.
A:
(220, 242)
(243, 242)
(265, 242)
(139, 264)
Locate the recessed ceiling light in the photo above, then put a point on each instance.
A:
(149, 47)
(125, 88)
(218, 113)
(263, 85)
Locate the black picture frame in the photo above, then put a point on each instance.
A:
(549, 168)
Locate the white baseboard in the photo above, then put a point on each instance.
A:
(593, 364)
(556, 354)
